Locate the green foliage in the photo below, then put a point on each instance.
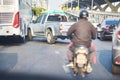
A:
(37, 11)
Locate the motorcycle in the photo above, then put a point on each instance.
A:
(81, 61)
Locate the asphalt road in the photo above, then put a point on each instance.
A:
(37, 60)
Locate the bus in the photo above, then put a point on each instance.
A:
(15, 17)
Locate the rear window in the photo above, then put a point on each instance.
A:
(60, 18)
(111, 22)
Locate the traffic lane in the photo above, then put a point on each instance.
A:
(32, 60)
(104, 54)
(34, 57)
(102, 70)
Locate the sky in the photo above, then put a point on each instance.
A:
(54, 4)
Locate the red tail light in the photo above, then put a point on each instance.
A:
(61, 27)
(118, 62)
(106, 28)
(118, 34)
(16, 20)
(57, 14)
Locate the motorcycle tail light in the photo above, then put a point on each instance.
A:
(118, 34)
(118, 62)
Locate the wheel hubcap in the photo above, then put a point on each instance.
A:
(49, 37)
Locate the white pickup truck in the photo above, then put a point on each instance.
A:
(51, 25)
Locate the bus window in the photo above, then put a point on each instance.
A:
(8, 2)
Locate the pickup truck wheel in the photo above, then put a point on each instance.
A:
(49, 36)
(29, 35)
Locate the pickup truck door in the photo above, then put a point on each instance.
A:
(42, 25)
(36, 27)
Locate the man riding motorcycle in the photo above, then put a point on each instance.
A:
(82, 34)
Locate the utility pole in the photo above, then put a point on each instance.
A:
(78, 4)
(47, 4)
(92, 4)
(71, 4)
(67, 4)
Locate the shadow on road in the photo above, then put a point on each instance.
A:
(105, 40)
(7, 61)
(9, 41)
(105, 58)
(22, 76)
(57, 42)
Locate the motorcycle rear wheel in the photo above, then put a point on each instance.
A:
(81, 73)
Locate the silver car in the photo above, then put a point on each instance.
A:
(106, 28)
(116, 50)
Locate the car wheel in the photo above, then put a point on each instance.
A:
(49, 36)
(115, 69)
(29, 35)
(101, 36)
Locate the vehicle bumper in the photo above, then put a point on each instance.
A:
(116, 55)
(62, 35)
(108, 35)
(9, 30)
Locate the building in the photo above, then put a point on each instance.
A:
(40, 3)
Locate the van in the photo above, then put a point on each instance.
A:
(15, 16)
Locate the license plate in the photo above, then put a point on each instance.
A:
(81, 59)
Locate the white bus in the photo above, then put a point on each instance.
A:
(15, 16)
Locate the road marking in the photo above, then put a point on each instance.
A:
(57, 52)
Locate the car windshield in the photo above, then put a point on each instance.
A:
(111, 22)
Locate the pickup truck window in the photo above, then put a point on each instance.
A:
(39, 19)
(57, 18)
(44, 17)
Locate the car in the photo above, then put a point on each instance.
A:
(116, 50)
(106, 28)
(50, 25)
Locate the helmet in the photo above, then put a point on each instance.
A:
(83, 13)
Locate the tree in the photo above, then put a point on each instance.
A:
(37, 11)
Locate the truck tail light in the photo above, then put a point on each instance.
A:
(16, 20)
(61, 27)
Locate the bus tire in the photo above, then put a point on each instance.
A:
(29, 35)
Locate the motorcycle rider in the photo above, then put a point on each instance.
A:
(83, 32)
